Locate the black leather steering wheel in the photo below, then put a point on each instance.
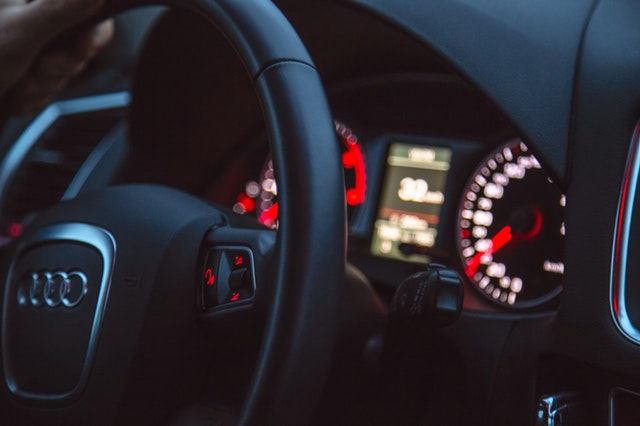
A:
(130, 351)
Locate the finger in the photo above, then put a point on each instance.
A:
(31, 95)
(58, 64)
(26, 27)
(90, 43)
(33, 87)
(45, 19)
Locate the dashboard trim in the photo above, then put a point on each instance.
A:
(619, 258)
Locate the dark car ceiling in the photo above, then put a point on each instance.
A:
(525, 37)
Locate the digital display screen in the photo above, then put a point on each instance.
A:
(412, 196)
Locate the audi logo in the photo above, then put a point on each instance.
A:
(52, 289)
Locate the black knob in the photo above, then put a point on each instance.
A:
(432, 297)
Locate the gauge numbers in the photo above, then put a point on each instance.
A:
(510, 231)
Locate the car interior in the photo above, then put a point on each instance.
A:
(330, 212)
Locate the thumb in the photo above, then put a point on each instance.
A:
(42, 20)
(25, 28)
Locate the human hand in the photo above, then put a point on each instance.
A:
(33, 70)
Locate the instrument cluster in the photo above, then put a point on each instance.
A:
(501, 225)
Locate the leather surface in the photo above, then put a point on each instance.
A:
(521, 54)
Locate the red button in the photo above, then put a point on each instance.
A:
(209, 277)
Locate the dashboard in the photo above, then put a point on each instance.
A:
(403, 212)
(494, 162)
(379, 106)
(402, 209)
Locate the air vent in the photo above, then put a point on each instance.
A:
(43, 163)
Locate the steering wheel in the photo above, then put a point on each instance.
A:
(105, 295)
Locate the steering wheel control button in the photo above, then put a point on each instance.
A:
(73, 289)
(52, 289)
(237, 279)
(210, 280)
(237, 258)
(227, 276)
(210, 269)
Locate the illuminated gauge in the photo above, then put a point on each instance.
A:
(510, 231)
(355, 173)
(261, 197)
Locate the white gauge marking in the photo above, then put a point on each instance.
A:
(514, 171)
(508, 155)
(484, 282)
(479, 232)
(469, 252)
(485, 203)
(496, 270)
(493, 191)
(516, 285)
(483, 245)
(482, 218)
(505, 282)
(500, 179)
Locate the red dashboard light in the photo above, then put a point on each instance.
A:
(354, 197)
(269, 215)
(349, 160)
(209, 277)
(537, 225)
(354, 159)
(261, 197)
(247, 202)
(15, 230)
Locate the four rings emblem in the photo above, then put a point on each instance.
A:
(52, 289)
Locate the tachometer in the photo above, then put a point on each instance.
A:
(261, 196)
(510, 231)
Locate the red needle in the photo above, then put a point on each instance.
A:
(497, 242)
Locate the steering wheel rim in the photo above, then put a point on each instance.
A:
(309, 265)
(301, 140)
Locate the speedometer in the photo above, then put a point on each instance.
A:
(510, 231)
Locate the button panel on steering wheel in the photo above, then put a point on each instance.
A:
(228, 277)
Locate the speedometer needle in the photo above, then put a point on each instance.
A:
(497, 242)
